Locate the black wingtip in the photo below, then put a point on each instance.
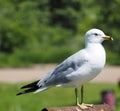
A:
(20, 93)
(32, 89)
(29, 88)
(30, 85)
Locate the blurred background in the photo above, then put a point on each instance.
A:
(35, 32)
(45, 31)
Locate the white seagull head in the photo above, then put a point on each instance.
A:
(96, 36)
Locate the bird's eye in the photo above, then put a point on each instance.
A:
(95, 34)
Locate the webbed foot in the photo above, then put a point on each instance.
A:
(84, 106)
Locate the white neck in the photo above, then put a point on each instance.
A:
(93, 45)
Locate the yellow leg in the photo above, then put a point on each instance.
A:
(82, 105)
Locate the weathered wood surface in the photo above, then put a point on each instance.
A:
(102, 107)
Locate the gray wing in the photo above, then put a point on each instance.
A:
(59, 74)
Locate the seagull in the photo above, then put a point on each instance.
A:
(77, 69)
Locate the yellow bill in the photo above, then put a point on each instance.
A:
(107, 38)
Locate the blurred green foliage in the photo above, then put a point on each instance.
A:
(45, 31)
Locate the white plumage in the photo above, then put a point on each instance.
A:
(77, 69)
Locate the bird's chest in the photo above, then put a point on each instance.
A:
(97, 58)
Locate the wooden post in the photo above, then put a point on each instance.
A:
(102, 107)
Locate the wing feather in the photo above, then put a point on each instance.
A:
(59, 74)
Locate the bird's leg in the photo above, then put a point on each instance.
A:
(82, 105)
(76, 94)
(82, 94)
